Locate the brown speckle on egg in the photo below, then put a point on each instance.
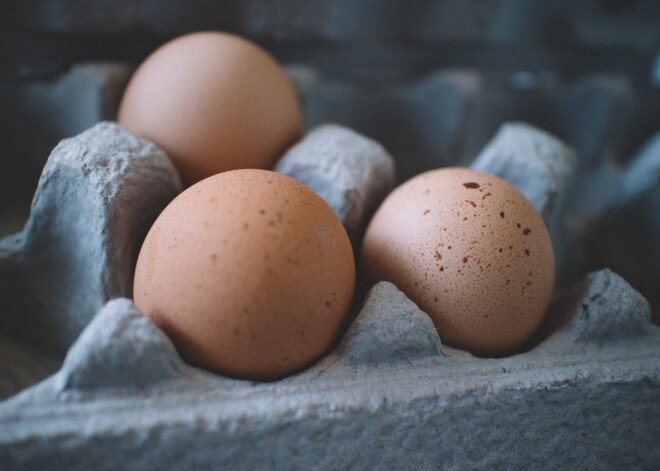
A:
(235, 301)
(487, 302)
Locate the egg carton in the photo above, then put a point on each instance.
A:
(112, 392)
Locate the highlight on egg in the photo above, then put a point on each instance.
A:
(471, 251)
(214, 102)
(249, 272)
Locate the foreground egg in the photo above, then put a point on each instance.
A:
(469, 250)
(214, 102)
(249, 272)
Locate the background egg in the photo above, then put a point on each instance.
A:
(214, 102)
(249, 272)
(471, 251)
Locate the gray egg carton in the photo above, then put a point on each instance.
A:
(89, 383)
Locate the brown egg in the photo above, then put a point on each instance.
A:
(471, 251)
(214, 102)
(249, 272)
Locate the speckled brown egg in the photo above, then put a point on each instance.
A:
(249, 272)
(214, 102)
(471, 251)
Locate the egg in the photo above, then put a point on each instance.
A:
(249, 272)
(214, 102)
(471, 251)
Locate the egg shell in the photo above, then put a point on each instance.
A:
(214, 102)
(470, 250)
(249, 272)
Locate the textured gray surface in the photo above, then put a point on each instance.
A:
(98, 195)
(608, 308)
(40, 113)
(119, 348)
(555, 407)
(538, 164)
(352, 173)
(389, 328)
(389, 396)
